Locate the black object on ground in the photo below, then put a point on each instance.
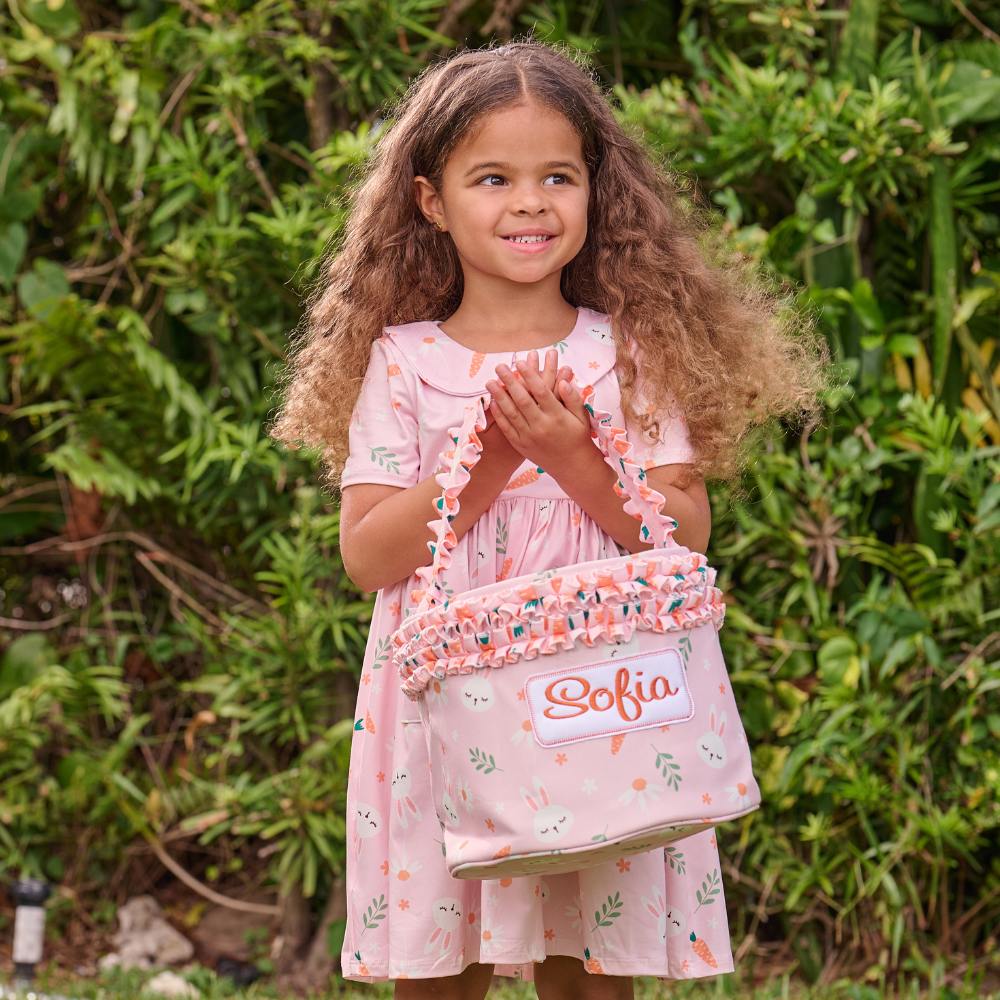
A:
(241, 973)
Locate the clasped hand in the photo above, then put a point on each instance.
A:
(542, 415)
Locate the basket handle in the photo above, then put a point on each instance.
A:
(641, 500)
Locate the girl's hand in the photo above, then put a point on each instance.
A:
(553, 431)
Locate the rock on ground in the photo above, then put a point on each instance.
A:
(169, 984)
(145, 940)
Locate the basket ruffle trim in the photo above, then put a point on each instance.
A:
(660, 594)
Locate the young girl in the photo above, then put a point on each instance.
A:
(512, 242)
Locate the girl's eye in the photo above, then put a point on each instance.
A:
(493, 180)
(556, 179)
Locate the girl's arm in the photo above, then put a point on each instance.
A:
(383, 529)
(555, 432)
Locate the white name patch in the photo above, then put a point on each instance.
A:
(613, 696)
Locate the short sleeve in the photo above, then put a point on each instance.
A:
(670, 445)
(384, 445)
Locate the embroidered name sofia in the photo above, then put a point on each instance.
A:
(613, 696)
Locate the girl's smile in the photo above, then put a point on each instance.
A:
(530, 240)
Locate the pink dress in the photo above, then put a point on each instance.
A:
(657, 914)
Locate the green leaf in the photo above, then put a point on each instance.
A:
(13, 243)
(40, 288)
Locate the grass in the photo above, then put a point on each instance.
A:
(120, 985)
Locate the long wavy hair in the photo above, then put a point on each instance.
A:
(697, 330)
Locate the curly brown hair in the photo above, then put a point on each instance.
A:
(711, 336)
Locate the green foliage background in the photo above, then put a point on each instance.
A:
(180, 645)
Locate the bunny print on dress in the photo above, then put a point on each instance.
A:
(552, 822)
(447, 917)
(710, 747)
(448, 803)
(367, 824)
(401, 796)
(670, 921)
(477, 692)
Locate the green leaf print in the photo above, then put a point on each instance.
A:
(382, 651)
(501, 537)
(671, 771)
(710, 888)
(484, 762)
(675, 859)
(600, 837)
(385, 458)
(608, 913)
(685, 647)
(376, 912)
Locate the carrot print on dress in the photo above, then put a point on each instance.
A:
(526, 478)
(477, 362)
(702, 950)
(593, 966)
(616, 743)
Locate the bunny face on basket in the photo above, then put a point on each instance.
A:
(551, 822)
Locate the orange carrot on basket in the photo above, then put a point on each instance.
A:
(502, 853)
(477, 363)
(531, 476)
(616, 743)
(701, 950)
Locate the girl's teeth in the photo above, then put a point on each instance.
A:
(528, 239)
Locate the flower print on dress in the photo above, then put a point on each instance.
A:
(491, 938)
(710, 747)
(464, 794)
(405, 806)
(447, 915)
(575, 912)
(437, 692)
(402, 867)
(429, 348)
(641, 790)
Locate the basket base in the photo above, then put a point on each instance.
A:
(585, 856)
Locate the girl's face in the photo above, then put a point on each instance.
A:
(514, 195)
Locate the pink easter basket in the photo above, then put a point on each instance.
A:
(577, 715)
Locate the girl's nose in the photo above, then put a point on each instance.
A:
(529, 202)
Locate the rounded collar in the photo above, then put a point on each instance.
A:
(589, 349)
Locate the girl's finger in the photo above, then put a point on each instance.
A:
(515, 386)
(503, 397)
(503, 423)
(539, 388)
(573, 401)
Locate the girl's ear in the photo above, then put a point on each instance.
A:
(429, 202)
